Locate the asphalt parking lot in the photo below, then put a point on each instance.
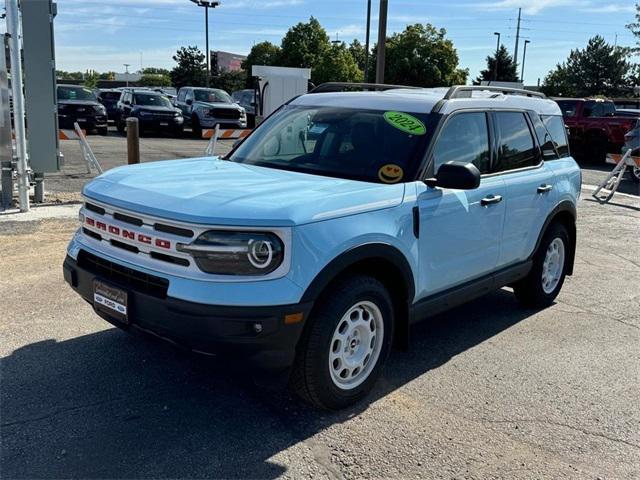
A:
(487, 390)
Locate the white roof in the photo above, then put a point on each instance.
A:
(424, 99)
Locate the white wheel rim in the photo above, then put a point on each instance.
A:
(636, 172)
(355, 346)
(553, 265)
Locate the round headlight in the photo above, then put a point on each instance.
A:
(236, 253)
(260, 253)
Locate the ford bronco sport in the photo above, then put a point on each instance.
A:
(342, 219)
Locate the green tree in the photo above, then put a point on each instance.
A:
(304, 45)
(420, 56)
(337, 65)
(507, 67)
(191, 69)
(263, 53)
(357, 51)
(599, 69)
(91, 80)
(154, 80)
(229, 81)
(155, 71)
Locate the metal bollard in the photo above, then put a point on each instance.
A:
(133, 141)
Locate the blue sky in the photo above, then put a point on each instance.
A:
(103, 35)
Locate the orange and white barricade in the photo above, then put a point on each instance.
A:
(608, 187)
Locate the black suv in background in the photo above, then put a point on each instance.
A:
(80, 104)
(153, 110)
(109, 98)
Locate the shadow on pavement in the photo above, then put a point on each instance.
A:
(111, 405)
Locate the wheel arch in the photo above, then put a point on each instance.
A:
(379, 260)
(565, 214)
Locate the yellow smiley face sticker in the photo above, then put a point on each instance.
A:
(390, 173)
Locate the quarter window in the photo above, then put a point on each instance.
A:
(181, 94)
(464, 138)
(515, 145)
(557, 130)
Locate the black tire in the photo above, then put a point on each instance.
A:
(104, 131)
(635, 174)
(178, 132)
(311, 378)
(529, 291)
(120, 126)
(597, 150)
(196, 129)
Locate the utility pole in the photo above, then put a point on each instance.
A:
(13, 29)
(382, 39)
(495, 70)
(524, 57)
(366, 46)
(207, 4)
(126, 72)
(515, 52)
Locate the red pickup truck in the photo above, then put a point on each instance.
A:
(594, 127)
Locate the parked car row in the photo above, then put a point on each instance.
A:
(159, 110)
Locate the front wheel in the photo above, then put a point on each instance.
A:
(345, 344)
(542, 285)
(196, 129)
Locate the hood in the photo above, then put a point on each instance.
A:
(213, 191)
(230, 106)
(154, 108)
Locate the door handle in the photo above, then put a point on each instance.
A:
(544, 188)
(491, 199)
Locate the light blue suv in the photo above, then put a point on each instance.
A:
(345, 217)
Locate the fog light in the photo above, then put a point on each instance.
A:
(257, 327)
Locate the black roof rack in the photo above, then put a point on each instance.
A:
(347, 86)
(460, 91)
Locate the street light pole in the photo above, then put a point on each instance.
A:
(495, 68)
(126, 72)
(366, 47)
(382, 39)
(524, 56)
(207, 4)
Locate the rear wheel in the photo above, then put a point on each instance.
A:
(542, 285)
(120, 126)
(635, 174)
(104, 131)
(345, 344)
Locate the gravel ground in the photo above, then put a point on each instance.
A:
(487, 390)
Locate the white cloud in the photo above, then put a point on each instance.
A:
(532, 7)
(611, 8)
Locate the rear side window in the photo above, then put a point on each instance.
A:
(464, 138)
(568, 107)
(557, 130)
(516, 148)
(181, 94)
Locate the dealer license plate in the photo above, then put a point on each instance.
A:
(110, 300)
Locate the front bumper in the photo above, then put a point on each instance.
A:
(212, 329)
(211, 122)
(150, 123)
(88, 122)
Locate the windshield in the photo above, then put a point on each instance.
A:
(369, 145)
(151, 99)
(110, 96)
(212, 96)
(75, 93)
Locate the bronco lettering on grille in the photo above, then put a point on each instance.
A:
(128, 234)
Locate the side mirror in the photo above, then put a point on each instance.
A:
(189, 102)
(458, 175)
(100, 100)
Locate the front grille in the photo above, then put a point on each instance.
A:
(123, 276)
(163, 115)
(94, 208)
(182, 232)
(127, 219)
(225, 113)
